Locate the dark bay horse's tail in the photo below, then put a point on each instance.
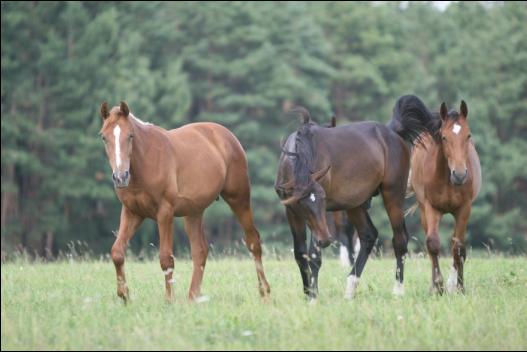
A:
(411, 118)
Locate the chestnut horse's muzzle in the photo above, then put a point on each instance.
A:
(458, 178)
(121, 178)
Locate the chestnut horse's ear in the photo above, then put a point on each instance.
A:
(463, 109)
(443, 111)
(124, 109)
(320, 173)
(104, 111)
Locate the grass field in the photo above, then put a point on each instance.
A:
(73, 306)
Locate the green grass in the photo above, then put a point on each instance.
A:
(73, 306)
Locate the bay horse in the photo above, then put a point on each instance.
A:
(446, 178)
(160, 174)
(341, 168)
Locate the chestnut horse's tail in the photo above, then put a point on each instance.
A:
(411, 118)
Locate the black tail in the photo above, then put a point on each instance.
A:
(411, 118)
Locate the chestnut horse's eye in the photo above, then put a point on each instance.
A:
(443, 138)
(103, 139)
(469, 136)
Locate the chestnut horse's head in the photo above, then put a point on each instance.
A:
(455, 139)
(117, 135)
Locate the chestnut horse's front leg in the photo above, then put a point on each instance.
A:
(128, 225)
(455, 279)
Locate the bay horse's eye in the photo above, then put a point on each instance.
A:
(130, 137)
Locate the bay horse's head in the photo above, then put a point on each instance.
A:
(455, 139)
(117, 135)
(303, 193)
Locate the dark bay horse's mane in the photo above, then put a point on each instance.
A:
(303, 158)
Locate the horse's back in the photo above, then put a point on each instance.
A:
(211, 138)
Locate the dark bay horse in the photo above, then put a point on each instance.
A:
(341, 168)
(160, 174)
(446, 178)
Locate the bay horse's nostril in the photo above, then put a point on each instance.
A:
(114, 176)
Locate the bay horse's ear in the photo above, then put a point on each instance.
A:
(124, 109)
(463, 109)
(320, 173)
(443, 111)
(104, 111)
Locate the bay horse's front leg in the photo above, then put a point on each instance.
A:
(433, 245)
(127, 226)
(166, 257)
(455, 279)
(199, 250)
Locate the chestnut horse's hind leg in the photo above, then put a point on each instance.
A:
(240, 205)
(455, 279)
(128, 225)
(199, 250)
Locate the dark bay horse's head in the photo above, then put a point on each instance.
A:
(309, 203)
(455, 139)
(117, 135)
(302, 192)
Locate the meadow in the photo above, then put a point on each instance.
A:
(72, 305)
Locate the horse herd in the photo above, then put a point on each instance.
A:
(161, 174)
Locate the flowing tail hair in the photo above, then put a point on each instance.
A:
(411, 118)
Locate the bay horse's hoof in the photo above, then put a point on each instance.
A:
(123, 295)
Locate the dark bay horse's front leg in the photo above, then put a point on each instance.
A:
(199, 250)
(298, 230)
(368, 234)
(315, 262)
(166, 258)
(455, 279)
(127, 226)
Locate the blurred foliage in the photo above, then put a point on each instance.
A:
(244, 65)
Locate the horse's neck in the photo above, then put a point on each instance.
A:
(141, 145)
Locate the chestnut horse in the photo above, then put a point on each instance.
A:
(341, 168)
(160, 174)
(446, 178)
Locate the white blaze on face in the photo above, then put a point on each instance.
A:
(117, 135)
(456, 128)
(312, 197)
